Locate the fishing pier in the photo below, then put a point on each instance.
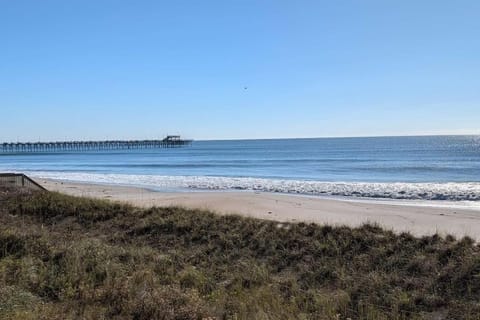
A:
(86, 146)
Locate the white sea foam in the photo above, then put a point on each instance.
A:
(413, 191)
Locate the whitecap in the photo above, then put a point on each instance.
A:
(453, 191)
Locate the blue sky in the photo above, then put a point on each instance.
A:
(82, 69)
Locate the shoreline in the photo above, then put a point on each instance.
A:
(417, 191)
(415, 218)
(453, 204)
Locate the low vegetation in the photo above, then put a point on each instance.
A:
(74, 258)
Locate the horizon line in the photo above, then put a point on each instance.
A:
(348, 137)
(253, 139)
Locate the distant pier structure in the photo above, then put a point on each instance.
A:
(82, 146)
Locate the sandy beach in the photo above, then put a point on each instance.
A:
(418, 219)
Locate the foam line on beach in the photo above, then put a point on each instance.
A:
(453, 191)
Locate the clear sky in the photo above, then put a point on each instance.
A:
(93, 69)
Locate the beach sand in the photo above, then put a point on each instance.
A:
(397, 216)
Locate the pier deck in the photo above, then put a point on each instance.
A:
(82, 146)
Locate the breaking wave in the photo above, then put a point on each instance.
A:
(453, 191)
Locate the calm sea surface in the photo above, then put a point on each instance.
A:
(437, 167)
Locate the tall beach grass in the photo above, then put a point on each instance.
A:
(63, 257)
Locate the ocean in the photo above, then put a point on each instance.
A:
(426, 167)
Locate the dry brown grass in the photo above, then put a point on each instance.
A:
(73, 258)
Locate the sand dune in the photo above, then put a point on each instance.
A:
(417, 218)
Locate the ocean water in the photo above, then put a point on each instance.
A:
(430, 167)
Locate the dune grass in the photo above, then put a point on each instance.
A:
(63, 257)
